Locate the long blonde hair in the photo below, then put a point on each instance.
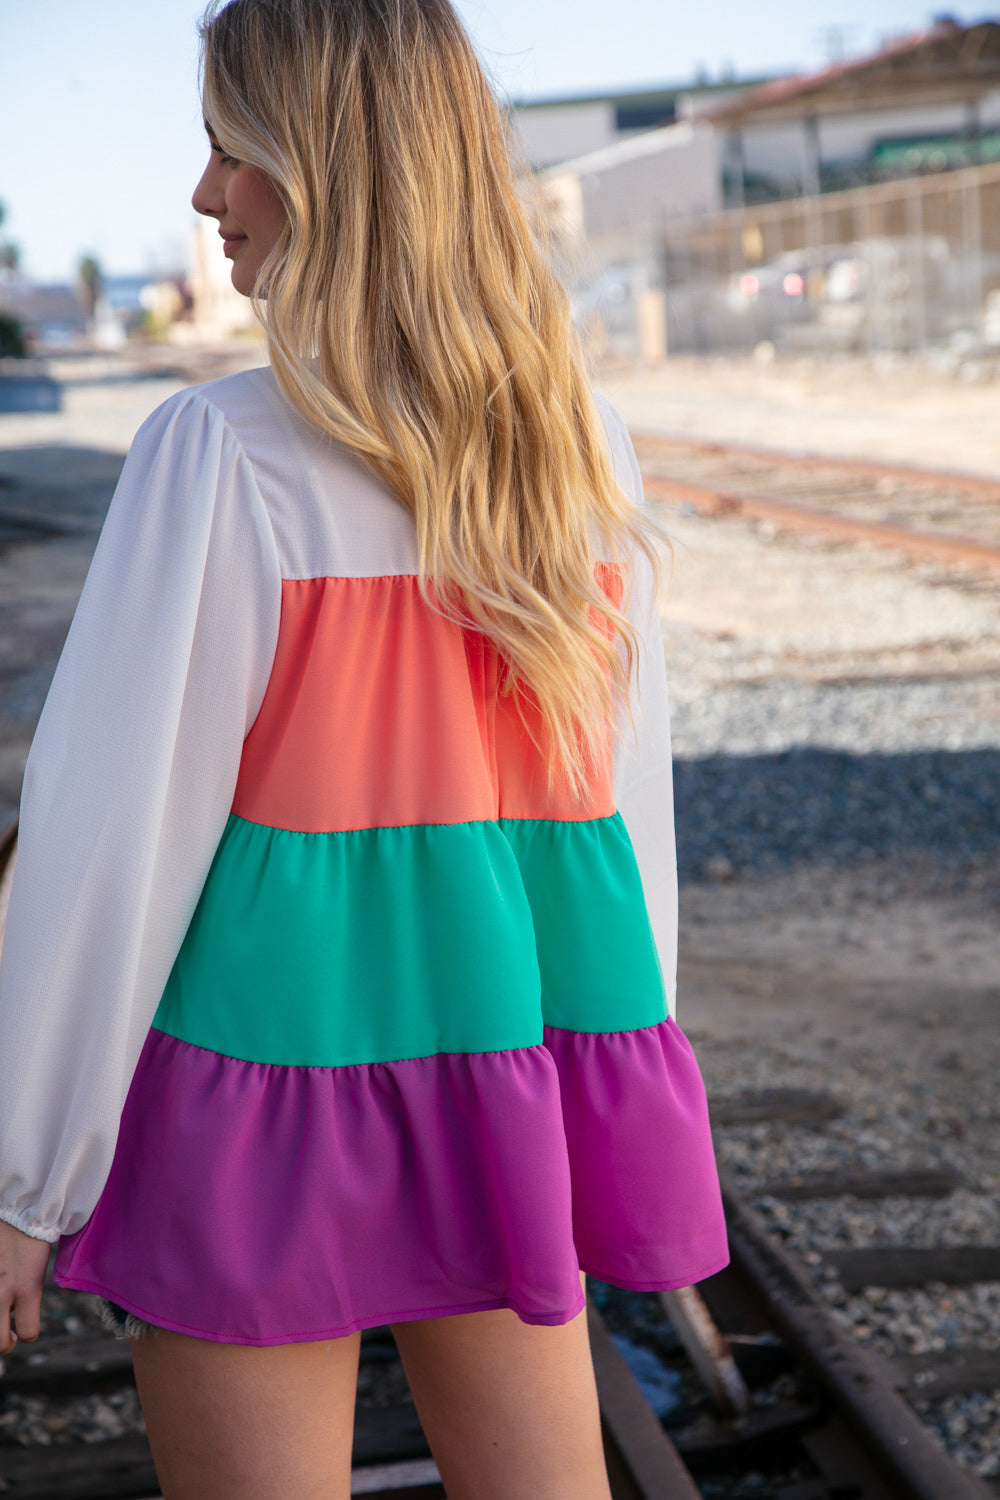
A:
(411, 315)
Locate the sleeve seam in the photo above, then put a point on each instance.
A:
(196, 394)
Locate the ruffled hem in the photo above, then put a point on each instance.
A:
(258, 1204)
(140, 1320)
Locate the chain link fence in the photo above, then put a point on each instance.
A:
(903, 266)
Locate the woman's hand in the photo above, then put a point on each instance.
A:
(22, 1270)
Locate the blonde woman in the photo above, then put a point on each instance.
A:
(339, 961)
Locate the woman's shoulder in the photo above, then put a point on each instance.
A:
(249, 396)
(328, 513)
(243, 420)
(193, 417)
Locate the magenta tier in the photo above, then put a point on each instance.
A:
(264, 1204)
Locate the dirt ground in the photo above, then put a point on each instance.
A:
(898, 411)
(766, 948)
(807, 956)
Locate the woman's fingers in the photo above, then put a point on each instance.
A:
(27, 1319)
(22, 1271)
(8, 1338)
(28, 1316)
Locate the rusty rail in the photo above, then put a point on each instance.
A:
(859, 468)
(936, 546)
(898, 1443)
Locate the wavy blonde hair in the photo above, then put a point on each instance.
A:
(412, 315)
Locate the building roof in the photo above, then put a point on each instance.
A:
(666, 94)
(948, 62)
(633, 148)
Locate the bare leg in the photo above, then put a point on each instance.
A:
(229, 1422)
(510, 1410)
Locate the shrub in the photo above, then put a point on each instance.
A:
(12, 340)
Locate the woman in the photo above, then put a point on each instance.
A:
(336, 981)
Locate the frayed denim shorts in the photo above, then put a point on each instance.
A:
(124, 1325)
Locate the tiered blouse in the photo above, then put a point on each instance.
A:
(318, 1008)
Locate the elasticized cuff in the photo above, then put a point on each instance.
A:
(18, 1220)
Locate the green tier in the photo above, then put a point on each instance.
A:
(329, 949)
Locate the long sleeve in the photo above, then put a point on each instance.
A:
(643, 780)
(127, 790)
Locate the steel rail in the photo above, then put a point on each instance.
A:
(716, 501)
(861, 468)
(895, 1438)
(643, 1463)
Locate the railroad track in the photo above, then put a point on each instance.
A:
(786, 1388)
(868, 1390)
(926, 514)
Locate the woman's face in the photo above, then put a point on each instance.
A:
(250, 212)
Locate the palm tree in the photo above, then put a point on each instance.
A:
(10, 254)
(91, 282)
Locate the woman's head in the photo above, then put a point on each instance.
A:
(372, 120)
(250, 210)
(412, 316)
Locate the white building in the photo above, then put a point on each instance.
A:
(554, 130)
(633, 188)
(922, 103)
(218, 310)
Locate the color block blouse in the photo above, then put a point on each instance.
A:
(317, 1008)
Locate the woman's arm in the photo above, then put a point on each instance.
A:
(127, 790)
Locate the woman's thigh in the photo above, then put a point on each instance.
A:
(230, 1422)
(510, 1410)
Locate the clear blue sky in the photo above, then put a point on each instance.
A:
(100, 127)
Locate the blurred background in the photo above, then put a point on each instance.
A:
(809, 177)
(818, 177)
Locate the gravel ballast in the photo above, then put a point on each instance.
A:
(836, 721)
